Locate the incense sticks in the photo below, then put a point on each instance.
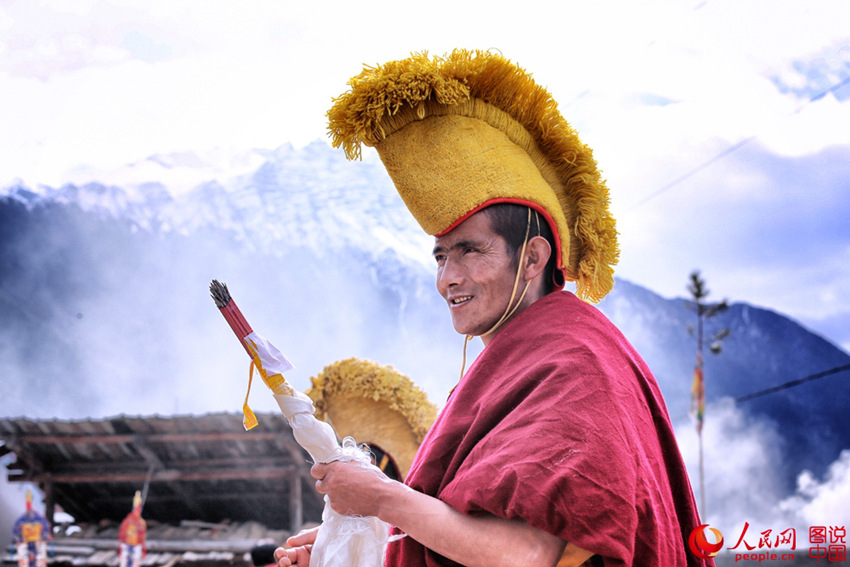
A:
(232, 315)
(269, 361)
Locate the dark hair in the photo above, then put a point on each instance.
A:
(385, 462)
(510, 221)
(263, 554)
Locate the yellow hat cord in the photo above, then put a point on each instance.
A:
(509, 311)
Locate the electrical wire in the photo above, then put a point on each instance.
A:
(792, 383)
(732, 148)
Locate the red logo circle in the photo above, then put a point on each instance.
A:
(701, 546)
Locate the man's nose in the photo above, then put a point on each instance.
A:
(449, 275)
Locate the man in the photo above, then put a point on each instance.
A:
(555, 447)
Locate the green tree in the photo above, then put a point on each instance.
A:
(705, 310)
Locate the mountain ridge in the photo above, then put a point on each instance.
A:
(111, 277)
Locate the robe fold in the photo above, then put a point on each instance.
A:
(560, 422)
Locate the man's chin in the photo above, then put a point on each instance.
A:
(470, 335)
(460, 328)
(464, 329)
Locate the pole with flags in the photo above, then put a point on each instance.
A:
(699, 292)
(698, 414)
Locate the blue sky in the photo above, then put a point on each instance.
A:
(722, 127)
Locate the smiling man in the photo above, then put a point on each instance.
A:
(555, 448)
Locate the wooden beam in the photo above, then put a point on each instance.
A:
(138, 465)
(152, 437)
(49, 500)
(175, 546)
(153, 464)
(154, 498)
(296, 504)
(169, 475)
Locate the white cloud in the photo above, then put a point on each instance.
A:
(742, 460)
(712, 72)
(823, 502)
(658, 89)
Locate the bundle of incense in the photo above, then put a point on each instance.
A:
(232, 315)
(254, 345)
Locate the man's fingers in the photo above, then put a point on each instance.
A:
(304, 537)
(281, 556)
(297, 550)
(287, 557)
(319, 470)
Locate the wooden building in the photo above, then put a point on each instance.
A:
(211, 489)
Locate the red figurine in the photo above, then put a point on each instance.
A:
(132, 535)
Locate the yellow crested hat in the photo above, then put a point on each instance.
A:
(464, 131)
(374, 404)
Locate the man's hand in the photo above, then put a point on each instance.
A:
(353, 488)
(298, 549)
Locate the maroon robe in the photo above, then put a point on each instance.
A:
(561, 423)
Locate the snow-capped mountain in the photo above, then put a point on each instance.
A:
(104, 307)
(312, 198)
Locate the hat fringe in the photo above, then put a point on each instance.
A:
(366, 379)
(360, 115)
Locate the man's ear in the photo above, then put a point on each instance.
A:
(537, 253)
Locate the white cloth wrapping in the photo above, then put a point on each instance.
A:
(273, 360)
(342, 541)
(317, 437)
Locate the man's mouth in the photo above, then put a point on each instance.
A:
(459, 300)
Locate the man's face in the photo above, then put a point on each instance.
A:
(475, 275)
